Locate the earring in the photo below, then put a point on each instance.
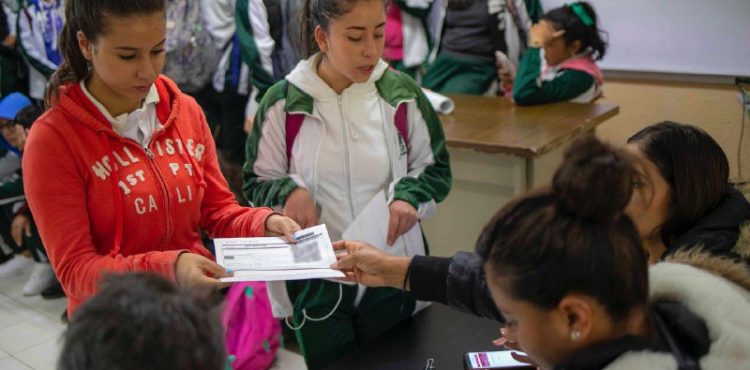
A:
(575, 335)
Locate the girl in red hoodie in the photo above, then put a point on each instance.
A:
(121, 172)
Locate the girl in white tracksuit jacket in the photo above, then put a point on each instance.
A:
(349, 146)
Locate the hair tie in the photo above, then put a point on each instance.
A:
(580, 12)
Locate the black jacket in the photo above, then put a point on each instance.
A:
(459, 281)
(4, 30)
(718, 230)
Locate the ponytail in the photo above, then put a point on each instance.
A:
(593, 39)
(307, 30)
(75, 67)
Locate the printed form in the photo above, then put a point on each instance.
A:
(272, 258)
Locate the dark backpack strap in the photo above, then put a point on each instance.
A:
(293, 125)
(684, 358)
(275, 19)
(402, 123)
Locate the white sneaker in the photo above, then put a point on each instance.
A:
(41, 277)
(15, 266)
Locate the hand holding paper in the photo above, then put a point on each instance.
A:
(272, 258)
(403, 217)
(372, 226)
(370, 266)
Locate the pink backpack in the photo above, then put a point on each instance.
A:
(252, 335)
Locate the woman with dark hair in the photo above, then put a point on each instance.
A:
(566, 269)
(121, 172)
(681, 196)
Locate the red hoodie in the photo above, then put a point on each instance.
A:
(103, 203)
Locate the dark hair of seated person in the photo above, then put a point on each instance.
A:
(572, 237)
(694, 166)
(142, 321)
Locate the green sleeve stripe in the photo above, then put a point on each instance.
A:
(435, 182)
(264, 192)
(298, 100)
(249, 49)
(528, 72)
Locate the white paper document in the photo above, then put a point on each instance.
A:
(272, 258)
(371, 226)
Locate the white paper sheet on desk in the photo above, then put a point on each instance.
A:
(371, 226)
(272, 258)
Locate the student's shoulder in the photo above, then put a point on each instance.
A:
(395, 86)
(53, 127)
(287, 97)
(189, 108)
(276, 92)
(53, 119)
(393, 79)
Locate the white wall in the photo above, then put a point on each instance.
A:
(679, 36)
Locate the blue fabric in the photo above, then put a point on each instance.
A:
(53, 24)
(5, 144)
(12, 104)
(236, 61)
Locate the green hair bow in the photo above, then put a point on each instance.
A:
(580, 12)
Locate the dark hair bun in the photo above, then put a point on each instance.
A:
(594, 182)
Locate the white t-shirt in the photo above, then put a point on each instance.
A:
(138, 125)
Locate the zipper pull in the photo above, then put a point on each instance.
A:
(149, 153)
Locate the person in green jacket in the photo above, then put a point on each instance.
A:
(470, 34)
(559, 64)
(339, 131)
(407, 39)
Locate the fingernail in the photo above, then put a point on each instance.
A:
(229, 271)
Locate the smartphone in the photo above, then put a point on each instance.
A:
(493, 360)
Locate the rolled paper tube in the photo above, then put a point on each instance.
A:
(441, 103)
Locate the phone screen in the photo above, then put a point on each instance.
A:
(493, 360)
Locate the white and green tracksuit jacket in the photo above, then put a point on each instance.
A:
(348, 147)
(417, 40)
